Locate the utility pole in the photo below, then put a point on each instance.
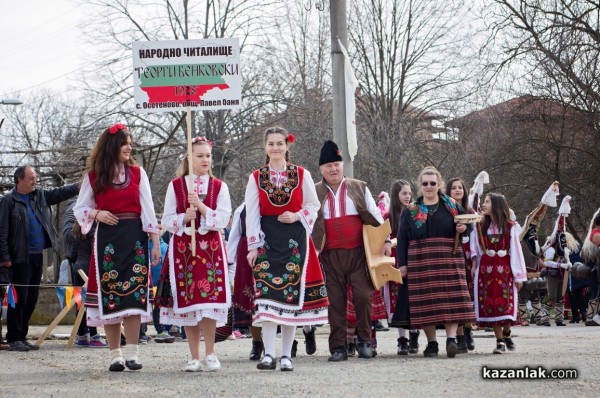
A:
(339, 30)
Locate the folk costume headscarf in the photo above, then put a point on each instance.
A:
(419, 212)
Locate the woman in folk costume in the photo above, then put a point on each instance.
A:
(457, 190)
(115, 193)
(532, 254)
(426, 256)
(196, 291)
(281, 208)
(590, 252)
(556, 251)
(396, 294)
(499, 270)
(243, 286)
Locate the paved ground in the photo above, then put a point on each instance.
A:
(56, 371)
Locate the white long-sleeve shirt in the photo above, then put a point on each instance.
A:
(349, 204)
(86, 203)
(213, 220)
(307, 214)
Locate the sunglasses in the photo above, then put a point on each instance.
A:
(426, 183)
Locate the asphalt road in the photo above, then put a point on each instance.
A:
(55, 371)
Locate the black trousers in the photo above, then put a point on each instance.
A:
(17, 319)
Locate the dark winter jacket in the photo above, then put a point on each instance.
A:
(14, 223)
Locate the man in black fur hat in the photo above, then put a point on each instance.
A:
(346, 205)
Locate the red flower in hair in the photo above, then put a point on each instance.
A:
(195, 140)
(291, 138)
(117, 127)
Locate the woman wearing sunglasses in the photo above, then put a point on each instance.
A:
(438, 293)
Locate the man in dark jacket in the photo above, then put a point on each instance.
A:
(25, 231)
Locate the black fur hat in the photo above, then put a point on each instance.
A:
(330, 153)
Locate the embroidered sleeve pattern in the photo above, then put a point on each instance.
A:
(310, 202)
(84, 206)
(252, 214)
(172, 221)
(517, 261)
(149, 222)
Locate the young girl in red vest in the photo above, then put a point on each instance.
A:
(198, 288)
(115, 194)
(281, 209)
(499, 270)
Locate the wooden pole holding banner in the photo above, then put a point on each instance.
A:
(188, 122)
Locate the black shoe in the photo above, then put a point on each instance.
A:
(309, 341)
(133, 364)
(294, 348)
(338, 356)
(257, 350)
(18, 346)
(351, 349)
(32, 347)
(364, 350)
(560, 323)
(117, 366)
(470, 339)
(451, 347)
(545, 323)
(574, 320)
(510, 345)
(266, 365)
(413, 342)
(431, 350)
(402, 346)
(500, 348)
(378, 326)
(461, 342)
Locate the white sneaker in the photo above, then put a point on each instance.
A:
(212, 363)
(193, 365)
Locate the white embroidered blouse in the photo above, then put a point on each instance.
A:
(307, 214)
(86, 203)
(214, 220)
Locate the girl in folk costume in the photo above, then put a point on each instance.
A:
(556, 251)
(456, 189)
(243, 286)
(436, 273)
(499, 270)
(196, 291)
(396, 295)
(115, 193)
(590, 252)
(281, 208)
(532, 254)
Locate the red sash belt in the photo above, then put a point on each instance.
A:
(343, 232)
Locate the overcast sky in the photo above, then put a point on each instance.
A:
(40, 44)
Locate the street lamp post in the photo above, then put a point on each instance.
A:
(9, 101)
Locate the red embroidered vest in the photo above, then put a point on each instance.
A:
(123, 198)
(274, 201)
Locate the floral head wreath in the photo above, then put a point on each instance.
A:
(196, 140)
(115, 128)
